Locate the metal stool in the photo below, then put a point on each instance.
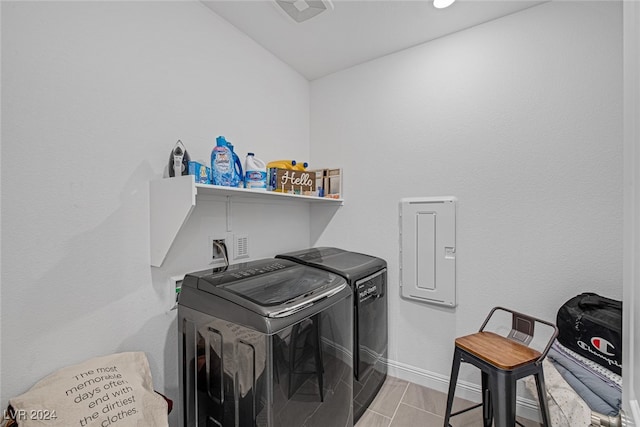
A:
(503, 361)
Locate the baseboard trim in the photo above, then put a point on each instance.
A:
(526, 408)
(630, 421)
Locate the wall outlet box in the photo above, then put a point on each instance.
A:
(219, 250)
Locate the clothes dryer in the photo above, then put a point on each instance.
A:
(367, 276)
(263, 344)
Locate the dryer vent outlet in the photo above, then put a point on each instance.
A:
(241, 246)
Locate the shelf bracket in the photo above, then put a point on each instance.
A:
(171, 201)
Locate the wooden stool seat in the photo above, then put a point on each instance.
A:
(497, 350)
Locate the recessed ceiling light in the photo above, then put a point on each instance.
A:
(300, 5)
(441, 4)
(302, 10)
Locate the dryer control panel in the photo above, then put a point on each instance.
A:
(371, 287)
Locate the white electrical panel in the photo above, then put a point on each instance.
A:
(428, 249)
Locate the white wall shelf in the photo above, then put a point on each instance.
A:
(171, 201)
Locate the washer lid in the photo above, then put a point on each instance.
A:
(272, 287)
(351, 265)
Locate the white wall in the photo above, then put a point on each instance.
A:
(95, 94)
(521, 120)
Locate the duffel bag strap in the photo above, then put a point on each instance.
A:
(597, 301)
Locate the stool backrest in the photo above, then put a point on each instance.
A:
(523, 328)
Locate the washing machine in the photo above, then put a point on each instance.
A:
(367, 276)
(264, 343)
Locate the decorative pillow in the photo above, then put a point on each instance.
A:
(108, 391)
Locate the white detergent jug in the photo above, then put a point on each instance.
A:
(255, 173)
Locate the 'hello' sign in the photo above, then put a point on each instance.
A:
(293, 181)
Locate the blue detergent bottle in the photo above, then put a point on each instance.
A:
(237, 167)
(225, 164)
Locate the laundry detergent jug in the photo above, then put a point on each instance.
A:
(255, 173)
(237, 164)
(281, 164)
(226, 168)
(300, 166)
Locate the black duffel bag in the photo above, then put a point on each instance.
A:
(591, 325)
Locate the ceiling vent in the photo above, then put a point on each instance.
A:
(303, 10)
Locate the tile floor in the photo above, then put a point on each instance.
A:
(403, 404)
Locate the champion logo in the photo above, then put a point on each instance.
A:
(584, 346)
(602, 345)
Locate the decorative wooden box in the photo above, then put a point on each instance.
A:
(329, 181)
